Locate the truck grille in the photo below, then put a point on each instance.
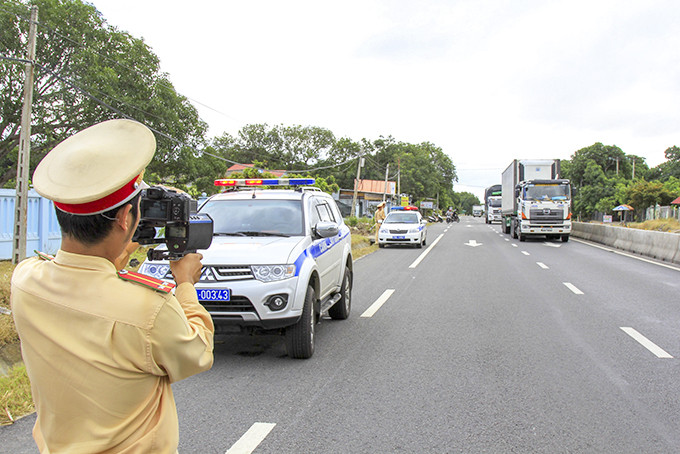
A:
(226, 273)
(546, 216)
(237, 304)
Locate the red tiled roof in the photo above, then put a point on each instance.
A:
(676, 201)
(241, 167)
(375, 186)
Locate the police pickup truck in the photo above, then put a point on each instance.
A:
(279, 260)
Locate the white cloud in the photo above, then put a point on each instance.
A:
(486, 81)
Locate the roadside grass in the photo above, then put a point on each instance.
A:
(15, 395)
(15, 388)
(671, 225)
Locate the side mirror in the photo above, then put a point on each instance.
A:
(325, 230)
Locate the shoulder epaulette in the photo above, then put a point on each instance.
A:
(147, 281)
(44, 256)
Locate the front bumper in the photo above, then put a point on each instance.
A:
(399, 238)
(246, 306)
(527, 228)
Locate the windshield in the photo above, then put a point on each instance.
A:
(547, 192)
(495, 202)
(255, 217)
(401, 218)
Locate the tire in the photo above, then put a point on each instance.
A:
(300, 337)
(380, 245)
(513, 230)
(341, 309)
(420, 244)
(521, 237)
(425, 241)
(565, 238)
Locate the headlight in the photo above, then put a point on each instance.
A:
(269, 273)
(384, 230)
(154, 270)
(414, 230)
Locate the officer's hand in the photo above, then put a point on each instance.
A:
(187, 269)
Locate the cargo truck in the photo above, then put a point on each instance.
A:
(477, 210)
(535, 201)
(492, 202)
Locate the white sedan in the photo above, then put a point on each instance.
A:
(403, 227)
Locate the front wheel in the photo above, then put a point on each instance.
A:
(565, 238)
(300, 337)
(340, 310)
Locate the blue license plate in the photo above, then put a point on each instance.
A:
(223, 294)
(399, 237)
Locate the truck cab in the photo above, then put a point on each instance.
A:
(543, 208)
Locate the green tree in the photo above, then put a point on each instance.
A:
(87, 72)
(642, 194)
(465, 202)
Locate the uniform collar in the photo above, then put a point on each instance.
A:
(91, 262)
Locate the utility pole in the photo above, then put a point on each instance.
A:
(356, 184)
(399, 176)
(387, 171)
(634, 168)
(23, 159)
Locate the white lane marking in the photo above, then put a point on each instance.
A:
(514, 245)
(573, 288)
(378, 303)
(649, 345)
(427, 251)
(552, 245)
(542, 265)
(252, 438)
(525, 253)
(473, 243)
(507, 239)
(626, 255)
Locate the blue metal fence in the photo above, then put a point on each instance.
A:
(42, 229)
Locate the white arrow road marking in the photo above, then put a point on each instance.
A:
(552, 244)
(427, 251)
(251, 439)
(542, 265)
(573, 288)
(473, 243)
(649, 345)
(378, 303)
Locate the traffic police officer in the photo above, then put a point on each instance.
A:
(102, 346)
(379, 217)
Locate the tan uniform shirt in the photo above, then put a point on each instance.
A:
(101, 353)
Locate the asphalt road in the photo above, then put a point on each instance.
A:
(476, 343)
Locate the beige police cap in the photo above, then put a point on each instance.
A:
(381, 204)
(96, 169)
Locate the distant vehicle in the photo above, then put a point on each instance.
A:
(535, 200)
(280, 259)
(403, 227)
(477, 210)
(492, 203)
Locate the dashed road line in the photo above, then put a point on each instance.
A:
(573, 288)
(252, 438)
(542, 265)
(373, 308)
(525, 253)
(649, 345)
(427, 251)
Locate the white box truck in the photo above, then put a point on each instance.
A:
(477, 210)
(535, 201)
(492, 201)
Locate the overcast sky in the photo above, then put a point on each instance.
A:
(486, 80)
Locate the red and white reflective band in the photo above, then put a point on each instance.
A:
(105, 203)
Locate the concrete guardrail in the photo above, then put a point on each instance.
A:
(659, 245)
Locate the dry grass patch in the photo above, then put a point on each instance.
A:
(15, 395)
(671, 225)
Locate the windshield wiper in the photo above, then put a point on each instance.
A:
(254, 233)
(229, 234)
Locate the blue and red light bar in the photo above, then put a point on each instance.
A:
(265, 182)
